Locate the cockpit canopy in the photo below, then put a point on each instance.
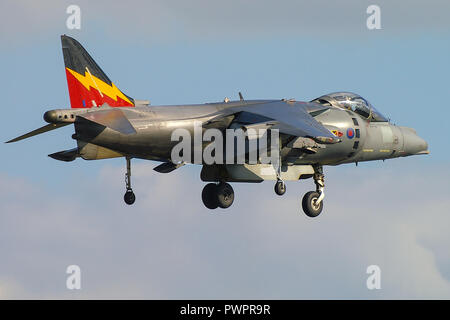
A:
(354, 102)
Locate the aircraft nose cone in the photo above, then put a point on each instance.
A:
(412, 143)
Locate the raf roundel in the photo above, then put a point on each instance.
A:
(350, 133)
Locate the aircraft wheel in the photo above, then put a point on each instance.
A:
(225, 195)
(309, 204)
(209, 196)
(280, 188)
(129, 197)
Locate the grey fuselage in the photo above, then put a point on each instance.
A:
(362, 140)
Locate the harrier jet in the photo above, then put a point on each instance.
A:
(336, 128)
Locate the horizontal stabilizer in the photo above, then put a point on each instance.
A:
(111, 118)
(167, 167)
(49, 127)
(66, 155)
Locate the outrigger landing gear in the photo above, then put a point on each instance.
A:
(312, 202)
(218, 195)
(129, 196)
(280, 187)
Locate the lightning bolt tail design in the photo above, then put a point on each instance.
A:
(88, 85)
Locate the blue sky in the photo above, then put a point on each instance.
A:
(54, 214)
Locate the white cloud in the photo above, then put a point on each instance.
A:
(178, 20)
(9, 289)
(168, 246)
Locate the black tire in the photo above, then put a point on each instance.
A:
(209, 196)
(280, 188)
(129, 197)
(308, 205)
(225, 195)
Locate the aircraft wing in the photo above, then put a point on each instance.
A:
(43, 129)
(294, 120)
(290, 118)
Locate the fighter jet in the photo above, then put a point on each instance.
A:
(334, 129)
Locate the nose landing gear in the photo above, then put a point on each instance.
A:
(129, 196)
(218, 195)
(312, 202)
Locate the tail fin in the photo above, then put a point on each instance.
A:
(88, 85)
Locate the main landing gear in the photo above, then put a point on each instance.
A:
(312, 202)
(129, 196)
(218, 195)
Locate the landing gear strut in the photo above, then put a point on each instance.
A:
(280, 187)
(218, 195)
(129, 196)
(312, 202)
